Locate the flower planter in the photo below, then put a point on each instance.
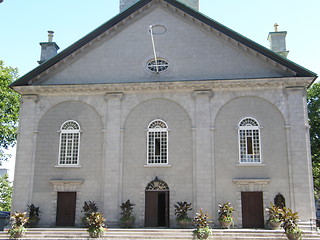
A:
(293, 236)
(274, 225)
(202, 235)
(18, 235)
(225, 224)
(129, 223)
(184, 223)
(95, 234)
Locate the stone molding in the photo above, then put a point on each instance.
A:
(118, 89)
(113, 95)
(66, 185)
(30, 97)
(203, 93)
(251, 184)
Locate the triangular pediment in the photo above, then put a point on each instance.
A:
(195, 47)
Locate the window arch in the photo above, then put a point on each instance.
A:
(69, 143)
(249, 141)
(157, 149)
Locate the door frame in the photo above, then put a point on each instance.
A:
(251, 185)
(154, 190)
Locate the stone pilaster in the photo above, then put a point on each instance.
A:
(112, 163)
(202, 147)
(300, 168)
(26, 145)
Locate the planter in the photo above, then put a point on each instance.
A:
(184, 223)
(274, 225)
(33, 222)
(17, 235)
(202, 235)
(127, 223)
(95, 234)
(293, 236)
(225, 224)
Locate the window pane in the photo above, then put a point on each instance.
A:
(157, 146)
(157, 142)
(249, 145)
(69, 143)
(249, 141)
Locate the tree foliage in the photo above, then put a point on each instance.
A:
(313, 100)
(5, 193)
(9, 110)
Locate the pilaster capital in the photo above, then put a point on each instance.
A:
(30, 97)
(296, 89)
(202, 93)
(113, 95)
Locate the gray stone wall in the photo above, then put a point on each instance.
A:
(203, 150)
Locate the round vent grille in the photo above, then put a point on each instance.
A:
(158, 65)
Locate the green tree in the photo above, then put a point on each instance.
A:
(9, 110)
(5, 193)
(313, 100)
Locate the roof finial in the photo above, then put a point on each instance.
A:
(50, 35)
(276, 27)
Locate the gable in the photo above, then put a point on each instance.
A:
(194, 49)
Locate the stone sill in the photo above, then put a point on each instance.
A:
(67, 166)
(250, 164)
(157, 166)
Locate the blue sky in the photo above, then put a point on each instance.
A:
(25, 23)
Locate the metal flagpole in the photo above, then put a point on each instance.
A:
(154, 49)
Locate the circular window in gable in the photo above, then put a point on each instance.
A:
(157, 65)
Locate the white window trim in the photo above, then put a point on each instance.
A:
(167, 143)
(63, 131)
(258, 127)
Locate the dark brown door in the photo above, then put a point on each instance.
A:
(157, 209)
(252, 210)
(66, 208)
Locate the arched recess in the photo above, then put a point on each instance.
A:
(46, 168)
(274, 153)
(157, 204)
(180, 152)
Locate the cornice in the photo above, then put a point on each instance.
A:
(207, 85)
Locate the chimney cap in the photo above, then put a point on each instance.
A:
(50, 35)
(276, 27)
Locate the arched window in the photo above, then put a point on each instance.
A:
(157, 142)
(249, 141)
(69, 143)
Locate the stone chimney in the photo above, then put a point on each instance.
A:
(48, 49)
(124, 4)
(277, 41)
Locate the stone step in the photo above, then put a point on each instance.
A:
(145, 233)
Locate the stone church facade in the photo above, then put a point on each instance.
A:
(158, 105)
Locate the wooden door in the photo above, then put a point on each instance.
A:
(66, 208)
(157, 209)
(151, 214)
(252, 210)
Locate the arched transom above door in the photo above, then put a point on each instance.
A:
(157, 185)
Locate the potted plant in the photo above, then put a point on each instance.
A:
(275, 216)
(181, 212)
(127, 219)
(201, 221)
(33, 213)
(290, 225)
(96, 225)
(88, 208)
(225, 215)
(17, 229)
